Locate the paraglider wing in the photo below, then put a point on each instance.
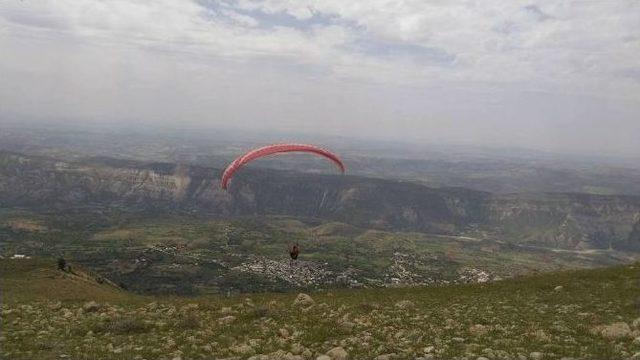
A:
(275, 149)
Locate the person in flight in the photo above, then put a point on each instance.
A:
(294, 251)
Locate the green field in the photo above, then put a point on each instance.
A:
(200, 255)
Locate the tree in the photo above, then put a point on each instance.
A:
(61, 264)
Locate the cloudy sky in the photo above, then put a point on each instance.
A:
(556, 75)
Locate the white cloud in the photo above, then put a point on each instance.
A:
(91, 57)
(579, 46)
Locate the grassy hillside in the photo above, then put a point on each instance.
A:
(26, 280)
(587, 314)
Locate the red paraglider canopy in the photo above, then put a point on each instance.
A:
(275, 149)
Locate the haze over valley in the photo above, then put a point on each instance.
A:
(147, 211)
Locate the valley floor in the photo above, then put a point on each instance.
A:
(585, 314)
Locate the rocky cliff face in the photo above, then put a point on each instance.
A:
(569, 221)
(565, 221)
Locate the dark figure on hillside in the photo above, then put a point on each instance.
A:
(61, 264)
(294, 251)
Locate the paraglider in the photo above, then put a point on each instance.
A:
(239, 162)
(276, 149)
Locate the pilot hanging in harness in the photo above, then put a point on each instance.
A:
(294, 251)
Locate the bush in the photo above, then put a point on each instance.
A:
(259, 312)
(61, 264)
(122, 326)
(188, 321)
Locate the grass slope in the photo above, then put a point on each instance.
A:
(593, 316)
(28, 280)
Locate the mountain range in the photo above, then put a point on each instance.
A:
(572, 221)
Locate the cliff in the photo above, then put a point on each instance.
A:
(557, 220)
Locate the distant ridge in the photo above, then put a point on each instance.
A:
(556, 220)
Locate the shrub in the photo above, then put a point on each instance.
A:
(61, 264)
(259, 312)
(122, 326)
(188, 321)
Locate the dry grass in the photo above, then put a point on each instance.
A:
(516, 317)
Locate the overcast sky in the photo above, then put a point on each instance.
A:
(555, 75)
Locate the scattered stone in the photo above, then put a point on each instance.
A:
(383, 332)
(536, 355)
(429, 349)
(385, 356)
(405, 304)
(259, 357)
(303, 300)
(90, 306)
(617, 330)
(478, 329)
(472, 275)
(189, 307)
(226, 311)
(152, 306)
(488, 351)
(297, 349)
(558, 288)
(450, 323)
(226, 320)
(170, 344)
(541, 335)
(273, 305)
(338, 353)
(243, 349)
(283, 333)
(347, 326)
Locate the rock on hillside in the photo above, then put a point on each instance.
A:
(512, 319)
